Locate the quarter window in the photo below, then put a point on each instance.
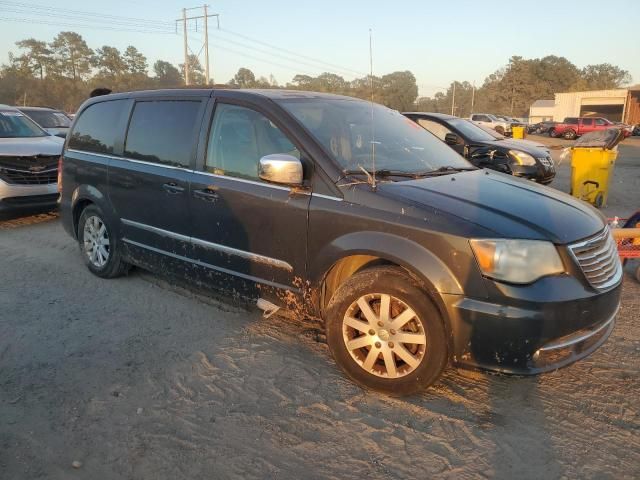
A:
(163, 132)
(98, 127)
(239, 138)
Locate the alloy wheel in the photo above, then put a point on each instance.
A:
(384, 335)
(96, 241)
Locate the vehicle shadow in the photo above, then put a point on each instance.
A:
(27, 217)
(523, 444)
(498, 424)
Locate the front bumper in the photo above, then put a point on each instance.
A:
(22, 197)
(532, 337)
(539, 172)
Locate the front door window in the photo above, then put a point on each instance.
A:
(239, 138)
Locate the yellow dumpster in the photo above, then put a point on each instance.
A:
(517, 132)
(591, 172)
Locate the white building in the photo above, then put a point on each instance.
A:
(621, 104)
(596, 103)
(541, 111)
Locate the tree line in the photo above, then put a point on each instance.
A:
(512, 89)
(62, 72)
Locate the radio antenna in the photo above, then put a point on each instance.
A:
(373, 128)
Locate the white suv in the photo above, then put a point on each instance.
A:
(492, 122)
(28, 162)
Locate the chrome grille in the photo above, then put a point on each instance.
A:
(35, 170)
(25, 177)
(598, 259)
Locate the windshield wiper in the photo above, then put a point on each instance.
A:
(384, 172)
(446, 170)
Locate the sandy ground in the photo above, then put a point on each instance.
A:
(134, 378)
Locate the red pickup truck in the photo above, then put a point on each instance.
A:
(573, 127)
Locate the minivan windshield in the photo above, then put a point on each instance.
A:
(16, 125)
(365, 135)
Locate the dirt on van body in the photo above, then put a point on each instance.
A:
(133, 378)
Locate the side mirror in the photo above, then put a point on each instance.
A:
(281, 168)
(451, 139)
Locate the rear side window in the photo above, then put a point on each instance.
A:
(587, 122)
(571, 121)
(98, 127)
(163, 132)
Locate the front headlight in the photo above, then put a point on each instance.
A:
(516, 261)
(522, 158)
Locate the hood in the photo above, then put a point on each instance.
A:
(535, 149)
(500, 203)
(30, 147)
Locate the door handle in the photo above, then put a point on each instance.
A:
(206, 194)
(173, 188)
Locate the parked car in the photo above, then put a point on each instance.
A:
(572, 127)
(625, 127)
(503, 127)
(531, 143)
(28, 163)
(485, 151)
(337, 208)
(514, 121)
(541, 128)
(55, 122)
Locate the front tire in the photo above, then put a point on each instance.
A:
(100, 249)
(384, 332)
(500, 130)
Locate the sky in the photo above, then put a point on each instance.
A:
(438, 41)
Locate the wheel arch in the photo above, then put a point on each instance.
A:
(354, 252)
(82, 197)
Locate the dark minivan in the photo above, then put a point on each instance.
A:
(343, 210)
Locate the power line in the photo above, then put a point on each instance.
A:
(88, 21)
(263, 60)
(283, 57)
(260, 42)
(77, 25)
(79, 13)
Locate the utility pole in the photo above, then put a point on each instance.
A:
(206, 46)
(513, 97)
(186, 46)
(473, 97)
(453, 99)
(184, 20)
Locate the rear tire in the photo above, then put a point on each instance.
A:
(99, 246)
(500, 130)
(570, 135)
(384, 332)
